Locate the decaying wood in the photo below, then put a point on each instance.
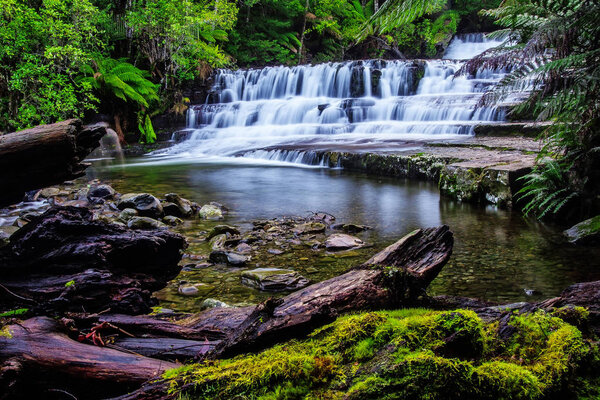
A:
(38, 345)
(63, 260)
(43, 156)
(383, 282)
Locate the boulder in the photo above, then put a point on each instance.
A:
(228, 257)
(183, 207)
(309, 227)
(586, 232)
(209, 211)
(146, 204)
(127, 214)
(47, 193)
(144, 223)
(274, 279)
(341, 241)
(222, 229)
(101, 191)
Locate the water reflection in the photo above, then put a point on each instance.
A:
(497, 253)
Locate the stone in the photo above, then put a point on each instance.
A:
(47, 193)
(101, 191)
(228, 257)
(323, 217)
(172, 220)
(183, 206)
(243, 248)
(146, 204)
(218, 242)
(274, 279)
(144, 223)
(127, 214)
(585, 233)
(188, 290)
(213, 303)
(4, 239)
(309, 227)
(222, 229)
(351, 228)
(275, 251)
(209, 211)
(341, 241)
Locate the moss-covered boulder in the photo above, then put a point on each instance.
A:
(408, 354)
(586, 232)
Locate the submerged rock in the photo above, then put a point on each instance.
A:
(309, 227)
(351, 228)
(222, 229)
(213, 303)
(146, 204)
(274, 279)
(341, 241)
(209, 211)
(228, 257)
(144, 223)
(586, 232)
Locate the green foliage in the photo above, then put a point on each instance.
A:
(14, 313)
(557, 61)
(404, 354)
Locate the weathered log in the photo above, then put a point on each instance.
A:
(43, 156)
(38, 345)
(392, 278)
(64, 260)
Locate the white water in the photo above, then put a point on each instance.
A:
(274, 112)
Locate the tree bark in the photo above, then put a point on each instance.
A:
(43, 156)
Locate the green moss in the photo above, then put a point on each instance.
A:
(5, 332)
(407, 354)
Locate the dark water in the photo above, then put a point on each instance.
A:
(497, 253)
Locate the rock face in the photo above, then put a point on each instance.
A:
(586, 232)
(65, 260)
(274, 279)
(341, 241)
(145, 204)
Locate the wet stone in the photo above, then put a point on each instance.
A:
(144, 223)
(274, 279)
(228, 257)
(341, 241)
(309, 227)
(172, 220)
(101, 191)
(127, 214)
(146, 204)
(209, 211)
(222, 229)
(213, 303)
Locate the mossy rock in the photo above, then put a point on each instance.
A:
(586, 232)
(407, 354)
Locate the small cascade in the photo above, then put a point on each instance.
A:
(373, 105)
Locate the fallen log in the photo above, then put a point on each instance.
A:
(43, 156)
(64, 260)
(393, 278)
(39, 345)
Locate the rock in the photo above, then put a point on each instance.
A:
(220, 206)
(47, 193)
(172, 221)
(213, 303)
(188, 290)
(243, 248)
(127, 214)
(218, 242)
(222, 229)
(274, 279)
(146, 204)
(341, 241)
(4, 239)
(101, 191)
(323, 217)
(209, 211)
(144, 223)
(183, 206)
(351, 228)
(309, 227)
(275, 251)
(228, 257)
(586, 232)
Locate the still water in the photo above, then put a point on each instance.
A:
(497, 253)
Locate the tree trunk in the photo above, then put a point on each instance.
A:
(302, 34)
(119, 129)
(43, 156)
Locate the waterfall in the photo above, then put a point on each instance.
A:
(369, 105)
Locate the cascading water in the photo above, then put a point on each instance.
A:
(278, 112)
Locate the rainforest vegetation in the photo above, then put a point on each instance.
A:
(131, 60)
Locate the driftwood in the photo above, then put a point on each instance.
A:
(43, 156)
(63, 260)
(387, 280)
